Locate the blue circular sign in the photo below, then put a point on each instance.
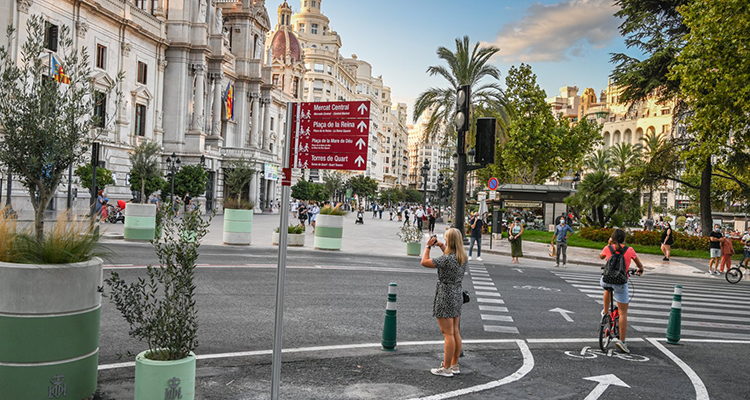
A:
(493, 183)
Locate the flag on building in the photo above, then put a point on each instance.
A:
(229, 101)
(58, 73)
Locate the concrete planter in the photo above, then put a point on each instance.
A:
(413, 248)
(293, 239)
(164, 379)
(49, 325)
(329, 229)
(238, 226)
(140, 222)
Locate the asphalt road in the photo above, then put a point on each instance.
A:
(515, 347)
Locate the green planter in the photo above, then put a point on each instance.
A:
(49, 325)
(413, 249)
(140, 222)
(238, 227)
(164, 379)
(329, 230)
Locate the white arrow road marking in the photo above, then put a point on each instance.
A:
(564, 313)
(362, 126)
(604, 382)
(360, 143)
(359, 161)
(362, 108)
(518, 270)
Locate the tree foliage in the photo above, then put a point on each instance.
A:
(46, 124)
(364, 186)
(237, 176)
(598, 199)
(190, 179)
(145, 188)
(103, 176)
(144, 167)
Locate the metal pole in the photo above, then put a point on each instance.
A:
(94, 164)
(70, 186)
(171, 193)
(9, 188)
(460, 193)
(281, 270)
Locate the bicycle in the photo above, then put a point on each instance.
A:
(609, 328)
(734, 274)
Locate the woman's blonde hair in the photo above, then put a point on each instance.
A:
(454, 244)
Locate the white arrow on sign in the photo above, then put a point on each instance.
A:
(564, 313)
(604, 382)
(360, 143)
(362, 108)
(359, 161)
(362, 126)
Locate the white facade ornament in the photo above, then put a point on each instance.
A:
(81, 28)
(202, 11)
(24, 5)
(161, 64)
(219, 21)
(126, 47)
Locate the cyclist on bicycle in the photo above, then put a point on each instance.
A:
(621, 293)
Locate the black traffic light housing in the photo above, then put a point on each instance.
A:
(485, 147)
(462, 116)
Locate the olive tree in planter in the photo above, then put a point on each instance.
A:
(49, 302)
(412, 236)
(238, 213)
(295, 236)
(160, 309)
(329, 228)
(140, 219)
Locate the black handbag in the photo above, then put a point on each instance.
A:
(466, 296)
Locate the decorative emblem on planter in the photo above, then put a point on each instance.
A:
(58, 388)
(174, 391)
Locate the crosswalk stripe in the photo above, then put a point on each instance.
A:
(484, 286)
(493, 301)
(664, 301)
(692, 332)
(685, 315)
(500, 329)
(662, 295)
(493, 308)
(487, 294)
(638, 305)
(502, 318)
(479, 278)
(670, 288)
(709, 285)
(691, 323)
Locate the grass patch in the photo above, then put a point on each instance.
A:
(576, 241)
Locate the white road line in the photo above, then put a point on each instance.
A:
(640, 304)
(712, 341)
(700, 389)
(712, 286)
(479, 287)
(574, 340)
(528, 365)
(692, 332)
(493, 308)
(487, 294)
(482, 283)
(500, 329)
(494, 301)
(701, 324)
(664, 295)
(686, 315)
(668, 290)
(479, 278)
(501, 318)
(684, 302)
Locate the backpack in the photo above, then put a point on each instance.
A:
(616, 270)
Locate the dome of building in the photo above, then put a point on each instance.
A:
(285, 42)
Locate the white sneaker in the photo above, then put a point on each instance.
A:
(623, 347)
(469, 258)
(442, 371)
(455, 370)
(479, 258)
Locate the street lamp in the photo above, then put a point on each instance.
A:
(425, 173)
(440, 182)
(173, 165)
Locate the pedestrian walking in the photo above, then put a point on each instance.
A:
(314, 215)
(667, 240)
(746, 242)
(406, 216)
(302, 214)
(418, 215)
(514, 236)
(380, 211)
(446, 307)
(715, 248)
(431, 220)
(562, 233)
(476, 224)
(727, 250)
(374, 210)
(390, 210)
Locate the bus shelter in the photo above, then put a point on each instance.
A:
(537, 205)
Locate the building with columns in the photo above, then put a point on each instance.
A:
(179, 59)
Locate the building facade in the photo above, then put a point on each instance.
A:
(439, 156)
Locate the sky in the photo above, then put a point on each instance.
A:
(566, 42)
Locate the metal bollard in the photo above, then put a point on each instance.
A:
(675, 317)
(389, 326)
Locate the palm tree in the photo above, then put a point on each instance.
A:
(466, 66)
(654, 146)
(623, 155)
(600, 161)
(599, 193)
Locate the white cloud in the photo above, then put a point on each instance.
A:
(558, 31)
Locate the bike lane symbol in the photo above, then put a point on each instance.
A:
(589, 353)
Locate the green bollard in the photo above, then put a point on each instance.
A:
(389, 326)
(675, 317)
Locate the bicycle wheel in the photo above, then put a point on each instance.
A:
(605, 332)
(734, 275)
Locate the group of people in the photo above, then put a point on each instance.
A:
(722, 249)
(306, 212)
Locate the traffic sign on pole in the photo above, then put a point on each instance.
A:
(331, 135)
(493, 183)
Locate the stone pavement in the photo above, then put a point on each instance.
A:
(378, 237)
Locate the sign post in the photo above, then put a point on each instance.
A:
(323, 135)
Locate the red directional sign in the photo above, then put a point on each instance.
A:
(331, 135)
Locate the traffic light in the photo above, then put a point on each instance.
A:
(462, 108)
(485, 147)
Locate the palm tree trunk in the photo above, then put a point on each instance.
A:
(650, 201)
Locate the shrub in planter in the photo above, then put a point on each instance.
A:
(329, 228)
(411, 235)
(160, 309)
(295, 236)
